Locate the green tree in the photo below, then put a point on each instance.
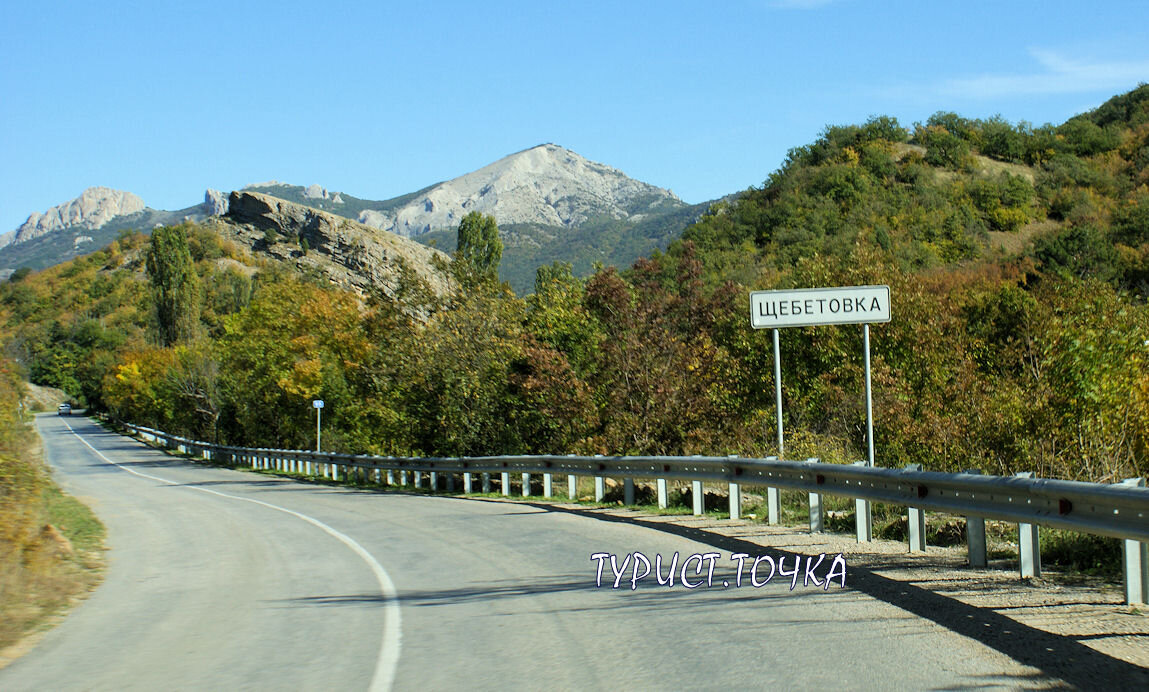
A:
(557, 318)
(175, 286)
(479, 249)
(456, 381)
(295, 342)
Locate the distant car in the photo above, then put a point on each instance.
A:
(64, 410)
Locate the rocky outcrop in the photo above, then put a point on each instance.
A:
(350, 254)
(375, 219)
(215, 202)
(91, 210)
(546, 185)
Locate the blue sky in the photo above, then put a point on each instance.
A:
(381, 98)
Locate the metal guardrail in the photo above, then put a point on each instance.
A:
(1118, 511)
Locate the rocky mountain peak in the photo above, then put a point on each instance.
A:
(92, 209)
(546, 185)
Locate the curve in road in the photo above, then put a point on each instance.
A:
(208, 587)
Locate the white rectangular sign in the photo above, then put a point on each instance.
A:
(807, 307)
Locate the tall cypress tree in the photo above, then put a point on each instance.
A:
(175, 286)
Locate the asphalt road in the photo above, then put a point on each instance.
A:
(223, 579)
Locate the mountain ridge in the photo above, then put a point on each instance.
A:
(546, 193)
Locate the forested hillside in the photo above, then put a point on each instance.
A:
(1017, 256)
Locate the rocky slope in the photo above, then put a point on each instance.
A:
(350, 254)
(546, 185)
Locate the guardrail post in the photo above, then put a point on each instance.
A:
(402, 478)
(916, 520)
(572, 487)
(774, 505)
(547, 489)
(1136, 562)
(418, 479)
(1028, 546)
(735, 497)
(628, 491)
(975, 536)
(662, 494)
(526, 485)
(863, 518)
(698, 497)
(505, 483)
(599, 485)
(817, 512)
(434, 481)
(334, 470)
(467, 482)
(486, 482)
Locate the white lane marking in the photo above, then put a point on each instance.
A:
(388, 660)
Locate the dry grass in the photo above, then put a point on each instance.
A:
(51, 545)
(1011, 244)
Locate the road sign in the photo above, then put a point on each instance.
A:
(807, 307)
(318, 403)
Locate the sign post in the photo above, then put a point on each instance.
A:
(810, 307)
(774, 495)
(318, 404)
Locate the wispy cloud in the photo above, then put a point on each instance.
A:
(1058, 74)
